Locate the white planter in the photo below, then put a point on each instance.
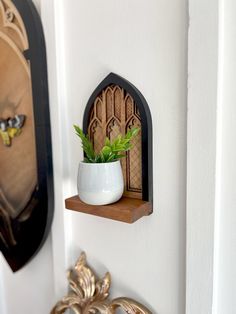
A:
(100, 183)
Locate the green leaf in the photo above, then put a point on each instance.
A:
(86, 143)
(111, 151)
(107, 142)
(111, 158)
(106, 150)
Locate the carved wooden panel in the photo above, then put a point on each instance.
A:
(23, 156)
(113, 113)
(114, 107)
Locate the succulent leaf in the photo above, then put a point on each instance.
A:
(111, 151)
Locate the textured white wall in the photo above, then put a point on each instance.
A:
(145, 42)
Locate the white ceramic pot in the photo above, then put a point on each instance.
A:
(100, 183)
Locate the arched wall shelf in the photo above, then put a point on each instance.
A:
(114, 107)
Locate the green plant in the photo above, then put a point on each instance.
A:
(111, 151)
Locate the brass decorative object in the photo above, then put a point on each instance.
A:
(89, 295)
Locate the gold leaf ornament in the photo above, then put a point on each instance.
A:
(89, 295)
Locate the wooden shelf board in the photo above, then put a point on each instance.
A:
(126, 209)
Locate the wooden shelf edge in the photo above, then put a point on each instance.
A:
(126, 210)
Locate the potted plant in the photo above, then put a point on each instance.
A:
(100, 178)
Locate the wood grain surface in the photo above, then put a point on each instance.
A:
(126, 209)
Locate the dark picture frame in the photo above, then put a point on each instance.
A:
(32, 233)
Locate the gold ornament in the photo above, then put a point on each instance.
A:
(90, 296)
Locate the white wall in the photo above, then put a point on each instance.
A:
(226, 246)
(30, 290)
(145, 42)
(202, 133)
(211, 201)
(2, 292)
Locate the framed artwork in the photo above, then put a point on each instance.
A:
(26, 177)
